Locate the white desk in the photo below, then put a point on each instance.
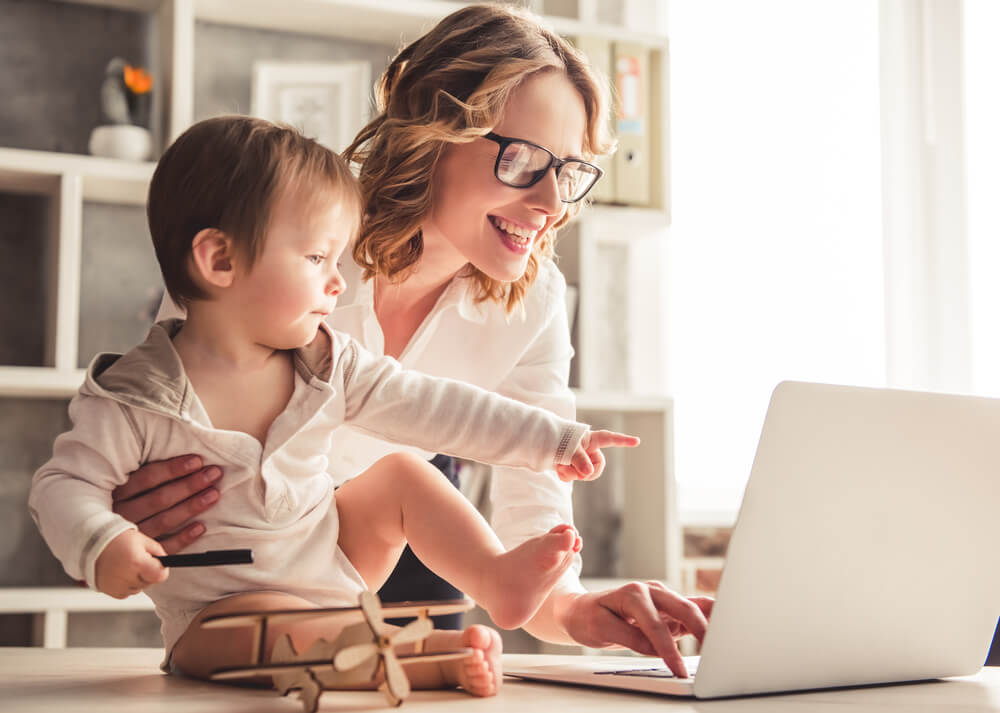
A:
(33, 680)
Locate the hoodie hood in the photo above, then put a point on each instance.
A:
(151, 376)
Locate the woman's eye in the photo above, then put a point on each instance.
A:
(315, 259)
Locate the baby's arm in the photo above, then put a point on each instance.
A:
(452, 417)
(70, 497)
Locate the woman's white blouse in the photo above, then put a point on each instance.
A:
(524, 356)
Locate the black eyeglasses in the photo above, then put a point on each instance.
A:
(522, 164)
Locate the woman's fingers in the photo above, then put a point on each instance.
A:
(169, 522)
(646, 617)
(705, 604)
(166, 508)
(191, 494)
(686, 612)
(152, 475)
(634, 602)
(614, 630)
(177, 541)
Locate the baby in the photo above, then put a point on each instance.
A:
(249, 220)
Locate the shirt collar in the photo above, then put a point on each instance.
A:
(478, 311)
(458, 294)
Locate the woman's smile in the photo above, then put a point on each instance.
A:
(516, 238)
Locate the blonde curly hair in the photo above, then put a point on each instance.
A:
(449, 87)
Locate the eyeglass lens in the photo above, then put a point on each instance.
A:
(522, 165)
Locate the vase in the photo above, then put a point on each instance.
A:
(124, 141)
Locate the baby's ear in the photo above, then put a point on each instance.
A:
(213, 257)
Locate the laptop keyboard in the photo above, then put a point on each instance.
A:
(645, 672)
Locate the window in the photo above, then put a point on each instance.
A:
(982, 151)
(776, 249)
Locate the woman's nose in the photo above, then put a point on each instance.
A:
(545, 194)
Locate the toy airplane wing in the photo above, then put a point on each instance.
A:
(224, 674)
(274, 616)
(402, 610)
(268, 668)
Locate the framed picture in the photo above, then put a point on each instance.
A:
(326, 101)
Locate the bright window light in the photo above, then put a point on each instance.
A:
(776, 250)
(982, 150)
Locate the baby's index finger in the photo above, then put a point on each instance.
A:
(610, 439)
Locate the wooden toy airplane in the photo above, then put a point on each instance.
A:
(354, 657)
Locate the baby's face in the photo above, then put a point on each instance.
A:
(294, 283)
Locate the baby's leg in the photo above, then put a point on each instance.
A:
(402, 498)
(201, 651)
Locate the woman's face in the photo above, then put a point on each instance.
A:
(476, 218)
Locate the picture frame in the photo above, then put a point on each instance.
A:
(326, 101)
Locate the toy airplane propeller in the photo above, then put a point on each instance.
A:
(397, 686)
(353, 658)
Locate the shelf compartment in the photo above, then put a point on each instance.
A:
(650, 542)
(102, 179)
(226, 56)
(39, 382)
(56, 56)
(620, 402)
(115, 314)
(51, 607)
(24, 277)
(379, 21)
(56, 237)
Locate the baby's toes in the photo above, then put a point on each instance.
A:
(478, 678)
(563, 537)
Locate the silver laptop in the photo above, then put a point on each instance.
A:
(865, 551)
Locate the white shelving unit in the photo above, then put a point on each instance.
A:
(68, 180)
(51, 607)
(651, 539)
(652, 546)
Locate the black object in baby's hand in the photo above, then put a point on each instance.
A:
(207, 559)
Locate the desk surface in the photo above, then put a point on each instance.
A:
(128, 681)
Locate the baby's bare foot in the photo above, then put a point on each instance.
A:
(521, 579)
(481, 673)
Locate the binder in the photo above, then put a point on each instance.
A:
(632, 87)
(599, 54)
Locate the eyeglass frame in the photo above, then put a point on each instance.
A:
(505, 141)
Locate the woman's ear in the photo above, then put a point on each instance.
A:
(213, 257)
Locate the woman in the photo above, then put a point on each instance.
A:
(478, 155)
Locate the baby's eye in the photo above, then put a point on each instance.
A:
(315, 259)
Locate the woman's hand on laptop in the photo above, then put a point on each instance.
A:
(162, 497)
(645, 617)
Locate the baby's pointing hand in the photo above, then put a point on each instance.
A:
(588, 460)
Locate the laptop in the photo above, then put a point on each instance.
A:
(864, 551)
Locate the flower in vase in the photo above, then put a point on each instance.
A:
(125, 93)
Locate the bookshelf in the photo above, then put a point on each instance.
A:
(651, 533)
